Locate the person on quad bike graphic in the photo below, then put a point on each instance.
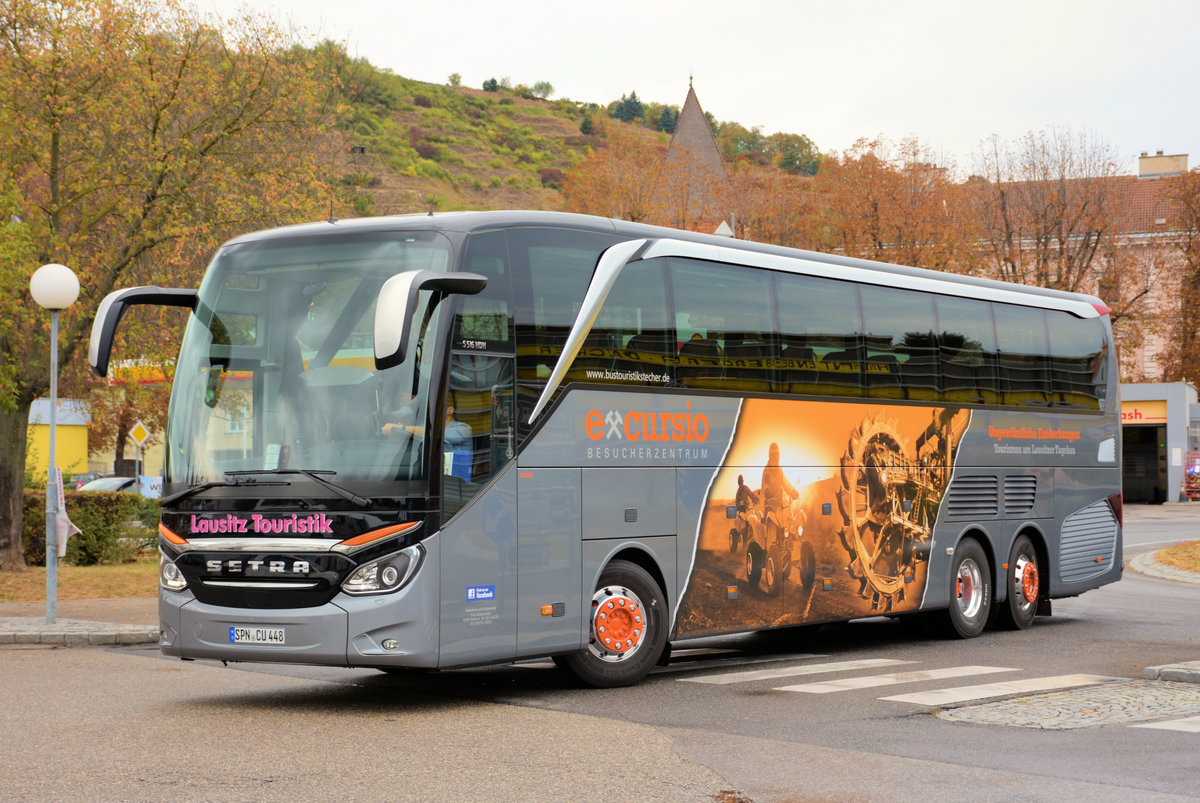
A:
(745, 501)
(774, 485)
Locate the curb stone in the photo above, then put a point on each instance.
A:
(73, 632)
(1186, 672)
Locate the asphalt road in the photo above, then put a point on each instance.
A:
(730, 719)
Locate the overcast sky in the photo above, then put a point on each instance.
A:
(951, 73)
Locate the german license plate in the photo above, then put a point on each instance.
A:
(255, 635)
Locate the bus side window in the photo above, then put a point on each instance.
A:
(967, 349)
(484, 321)
(1077, 347)
(635, 317)
(819, 325)
(551, 270)
(634, 310)
(900, 344)
(1023, 355)
(721, 313)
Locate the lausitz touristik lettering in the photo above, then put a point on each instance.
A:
(315, 523)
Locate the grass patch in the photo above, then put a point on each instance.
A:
(124, 580)
(1182, 556)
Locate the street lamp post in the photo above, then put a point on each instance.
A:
(54, 287)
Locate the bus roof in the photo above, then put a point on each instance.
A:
(468, 222)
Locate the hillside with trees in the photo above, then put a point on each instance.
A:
(411, 146)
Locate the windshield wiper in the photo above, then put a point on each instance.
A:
(204, 486)
(312, 474)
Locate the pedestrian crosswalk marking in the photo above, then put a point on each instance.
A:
(960, 694)
(915, 676)
(1187, 724)
(794, 671)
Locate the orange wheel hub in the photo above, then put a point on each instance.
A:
(617, 624)
(1029, 581)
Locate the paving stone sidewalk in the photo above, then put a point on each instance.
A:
(1119, 703)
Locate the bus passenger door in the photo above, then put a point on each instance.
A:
(479, 502)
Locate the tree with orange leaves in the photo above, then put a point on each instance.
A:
(619, 179)
(896, 203)
(1181, 358)
(135, 134)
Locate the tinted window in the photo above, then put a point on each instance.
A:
(900, 343)
(967, 346)
(1023, 355)
(484, 320)
(631, 340)
(1077, 361)
(820, 336)
(552, 269)
(723, 322)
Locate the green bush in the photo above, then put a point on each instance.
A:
(114, 526)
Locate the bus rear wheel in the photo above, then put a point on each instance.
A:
(970, 592)
(1023, 588)
(628, 629)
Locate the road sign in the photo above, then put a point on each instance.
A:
(139, 433)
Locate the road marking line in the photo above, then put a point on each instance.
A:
(870, 681)
(792, 671)
(1187, 724)
(963, 693)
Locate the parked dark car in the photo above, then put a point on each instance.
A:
(111, 484)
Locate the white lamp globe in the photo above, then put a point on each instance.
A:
(54, 286)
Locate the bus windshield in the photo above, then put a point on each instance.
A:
(276, 371)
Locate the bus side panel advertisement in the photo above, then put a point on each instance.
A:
(819, 512)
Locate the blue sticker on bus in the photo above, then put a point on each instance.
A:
(481, 592)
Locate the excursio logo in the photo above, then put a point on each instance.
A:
(646, 434)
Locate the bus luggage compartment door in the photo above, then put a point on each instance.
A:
(550, 595)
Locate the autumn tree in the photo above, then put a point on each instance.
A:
(133, 135)
(619, 179)
(1051, 210)
(1181, 358)
(772, 206)
(1047, 206)
(896, 203)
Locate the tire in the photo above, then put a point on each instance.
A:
(772, 574)
(970, 592)
(1023, 578)
(629, 604)
(808, 565)
(754, 564)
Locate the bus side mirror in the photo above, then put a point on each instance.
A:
(108, 315)
(397, 300)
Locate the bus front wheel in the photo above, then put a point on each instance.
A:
(970, 592)
(628, 629)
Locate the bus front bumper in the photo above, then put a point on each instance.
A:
(393, 630)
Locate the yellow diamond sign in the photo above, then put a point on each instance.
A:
(139, 433)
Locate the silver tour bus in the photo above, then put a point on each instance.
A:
(458, 439)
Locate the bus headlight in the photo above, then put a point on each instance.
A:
(386, 574)
(169, 576)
